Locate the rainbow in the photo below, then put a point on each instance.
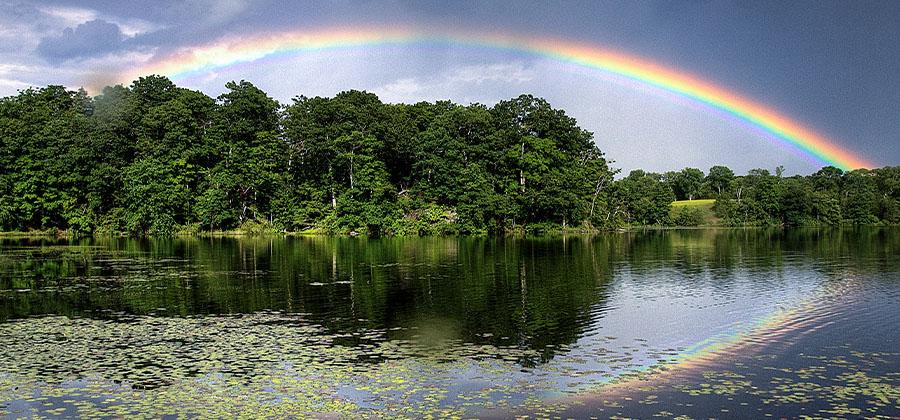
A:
(204, 59)
(801, 319)
(808, 315)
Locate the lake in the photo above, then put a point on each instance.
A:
(675, 323)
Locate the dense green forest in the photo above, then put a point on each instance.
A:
(154, 158)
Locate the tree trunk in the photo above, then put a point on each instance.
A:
(351, 171)
(594, 198)
(522, 170)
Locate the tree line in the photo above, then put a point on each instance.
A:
(830, 196)
(154, 158)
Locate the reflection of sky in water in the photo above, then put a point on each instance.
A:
(655, 316)
(425, 354)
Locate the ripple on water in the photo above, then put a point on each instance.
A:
(449, 326)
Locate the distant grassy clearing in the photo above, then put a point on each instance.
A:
(704, 202)
(694, 213)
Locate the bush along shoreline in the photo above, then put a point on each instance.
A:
(155, 159)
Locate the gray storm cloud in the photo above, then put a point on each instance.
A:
(95, 38)
(833, 67)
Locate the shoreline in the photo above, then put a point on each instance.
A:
(63, 234)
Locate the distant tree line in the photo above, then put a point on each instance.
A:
(154, 158)
(760, 198)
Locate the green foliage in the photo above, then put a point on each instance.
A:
(860, 197)
(726, 209)
(719, 179)
(258, 228)
(152, 158)
(688, 216)
(827, 197)
(191, 229)
(687, 184)
(542, 228)
(211, 207)
(825, 208)
(156, 195)
(796, 202)
(641, 198)
(426, 219)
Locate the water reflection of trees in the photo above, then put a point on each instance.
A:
(532, 293)
(723, 250)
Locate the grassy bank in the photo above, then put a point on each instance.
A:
(706, 202)
(35, 233)
(691, 213)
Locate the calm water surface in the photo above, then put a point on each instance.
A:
(690, 323)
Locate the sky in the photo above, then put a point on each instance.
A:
(833, 66)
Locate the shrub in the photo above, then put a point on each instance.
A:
(257, 228)
(542, 228)
(190, 229)
(431, 219)
(689, 216)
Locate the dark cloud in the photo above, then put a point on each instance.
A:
(90, 39)
(834, 67)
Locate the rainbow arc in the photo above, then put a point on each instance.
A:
(232, 52)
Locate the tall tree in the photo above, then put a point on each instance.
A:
(719, 179)
(688, 183)
(245, 134)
